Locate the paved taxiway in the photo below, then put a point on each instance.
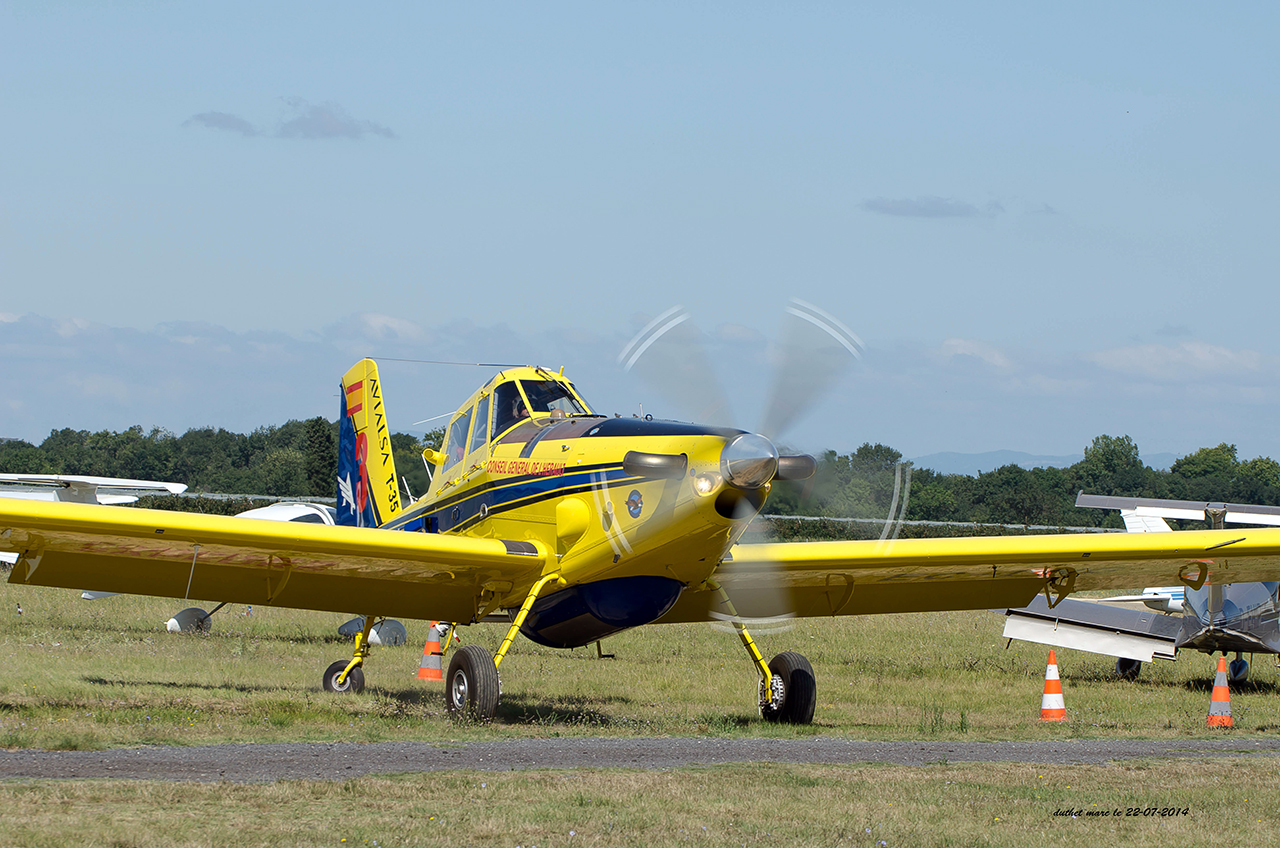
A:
(339, 761)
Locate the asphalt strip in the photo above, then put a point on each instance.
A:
(260, 763)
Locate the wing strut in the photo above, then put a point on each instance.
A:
(194, 556)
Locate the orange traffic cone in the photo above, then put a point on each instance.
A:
(1220, 701)
(431, 654)
(1052, 707)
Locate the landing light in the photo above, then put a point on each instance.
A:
(705, 484)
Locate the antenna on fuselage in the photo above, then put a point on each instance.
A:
(446, 362)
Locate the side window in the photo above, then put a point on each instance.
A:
(508, 407)
(458, 439)
(480, 434)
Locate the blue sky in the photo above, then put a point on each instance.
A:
(1044, 223)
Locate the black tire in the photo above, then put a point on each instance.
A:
(191, 620)
(1237, 671)
(353, 684)
(471, 686)
(1127, 669)
(799, 695)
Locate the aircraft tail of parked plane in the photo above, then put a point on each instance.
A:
(367, 490)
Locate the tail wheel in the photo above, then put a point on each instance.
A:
(471, 686)
(1127, 669)
(353, 684)
(793, 690)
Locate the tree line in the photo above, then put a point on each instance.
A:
(861, 485)
(299, 458)
(296, 459)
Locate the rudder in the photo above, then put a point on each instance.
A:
(367, 492)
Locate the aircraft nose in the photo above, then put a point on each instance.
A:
(749, 461)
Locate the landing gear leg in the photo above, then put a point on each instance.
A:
(345, 676)
(472, 687)
(788, 689)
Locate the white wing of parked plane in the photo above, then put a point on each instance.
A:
(77, 488)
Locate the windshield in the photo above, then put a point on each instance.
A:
(546, 396)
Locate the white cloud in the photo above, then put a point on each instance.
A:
(305, 121)
(1191, 359)
(328, 120)
(386, 327)
(929, 206)
(738, 333)
(222, 121)
(98, 386)
(963, 395)
(989, 354)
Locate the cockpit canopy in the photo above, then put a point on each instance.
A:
(535, 395)
(549, 396)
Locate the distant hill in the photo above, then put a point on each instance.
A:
(972, 463)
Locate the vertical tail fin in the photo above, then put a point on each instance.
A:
(367, 491)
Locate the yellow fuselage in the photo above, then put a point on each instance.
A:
(561, 482)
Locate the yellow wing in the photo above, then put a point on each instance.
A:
(435, 576)
(303, 566)
(920, 575)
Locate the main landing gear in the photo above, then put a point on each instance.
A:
(793, 691)
(471, 686)
(788, 689)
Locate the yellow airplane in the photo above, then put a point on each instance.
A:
(571, 526)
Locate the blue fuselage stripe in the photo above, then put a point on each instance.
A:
(499, 497)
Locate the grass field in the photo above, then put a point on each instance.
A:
(83, 674)
(1221, 803)
(86, 675)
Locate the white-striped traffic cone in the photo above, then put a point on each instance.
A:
(1052, 707)
(431, 654)
(1220, 700)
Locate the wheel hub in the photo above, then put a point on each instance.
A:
(775, 695)
(459, 690)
